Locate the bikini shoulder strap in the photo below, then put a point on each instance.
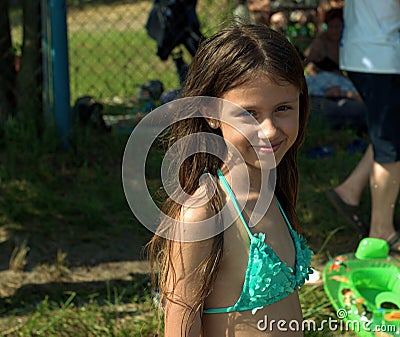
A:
(231, 195)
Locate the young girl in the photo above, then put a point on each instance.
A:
(247, 276)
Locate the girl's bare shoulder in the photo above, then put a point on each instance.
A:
(197, 223)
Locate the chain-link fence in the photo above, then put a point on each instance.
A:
(111, 54)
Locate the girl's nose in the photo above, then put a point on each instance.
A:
(267, 129)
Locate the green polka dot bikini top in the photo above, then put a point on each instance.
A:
(268, 279)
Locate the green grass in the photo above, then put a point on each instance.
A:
(69, 206)
(326, 233)
(111, 311)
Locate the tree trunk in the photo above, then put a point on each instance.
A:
(7, 67)
(29, 78)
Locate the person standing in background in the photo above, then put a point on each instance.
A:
(370, 54)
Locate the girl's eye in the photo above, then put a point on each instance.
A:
(251, 113)
(283, 108)
(247, 113)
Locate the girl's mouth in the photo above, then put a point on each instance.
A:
(268, 149)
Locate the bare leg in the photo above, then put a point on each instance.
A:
(351, 189)
(384, 184)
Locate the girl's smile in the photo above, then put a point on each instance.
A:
(267, 149)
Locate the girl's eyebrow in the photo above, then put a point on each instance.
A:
(286, 101)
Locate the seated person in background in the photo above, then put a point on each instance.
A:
(324, 6)
(330, 91)
(260, 10)
(279, 21)
(336, 99)
(323, 52)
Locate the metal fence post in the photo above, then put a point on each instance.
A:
(60, 69)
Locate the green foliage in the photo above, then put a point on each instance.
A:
(24, 144)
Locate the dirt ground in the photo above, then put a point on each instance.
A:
(121, 258)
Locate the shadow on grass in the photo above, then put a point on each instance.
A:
(69, 202)
(115, 292)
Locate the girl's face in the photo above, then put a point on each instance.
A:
(275, 108)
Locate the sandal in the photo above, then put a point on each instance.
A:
(349, 213)
(394, 243)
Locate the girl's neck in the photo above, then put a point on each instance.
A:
(254, 178)
(251, 188)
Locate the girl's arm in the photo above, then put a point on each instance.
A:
(183, 307)
(177, 323)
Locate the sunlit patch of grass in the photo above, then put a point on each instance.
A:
(112, 316)
(18, 257)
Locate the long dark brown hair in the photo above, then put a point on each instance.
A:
(231, 58)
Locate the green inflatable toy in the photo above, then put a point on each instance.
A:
(364, 289)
